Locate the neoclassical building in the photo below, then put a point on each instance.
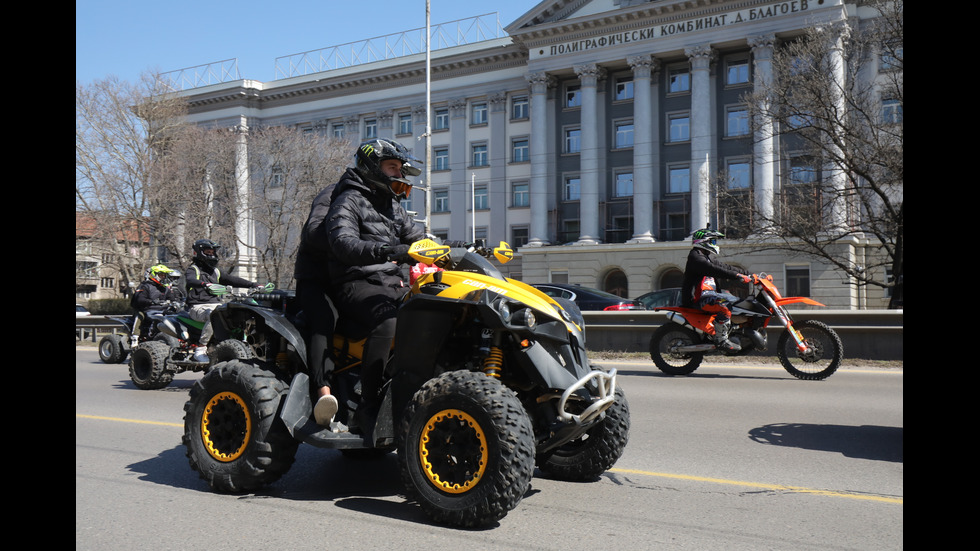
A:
(584, 133)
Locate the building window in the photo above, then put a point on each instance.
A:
(738, 72)
(570, 231)
(278, 177)
(623, 186)
(739, 175)
(891, 111)
(520, 108)
(406, 204)
(370, 128)
(624, 134)
(520, 195)
(405, 123)
(678, 80)
(737, 121)
(441, 155)
(573, 95)
(520, 152)
(802, 171)
(573, 188)
(573, 140)
(479, 113)
(518, 236)
(481, 199)
(679, 179)
(679, 127)
(480, 155)
(442, 119)
(338, 131)
(624, 88)
(797, 281)
(440, 200)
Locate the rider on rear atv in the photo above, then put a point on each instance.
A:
(155, 289)
(700, 290)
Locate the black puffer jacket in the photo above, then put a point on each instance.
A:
(360, 222)
(313, 256)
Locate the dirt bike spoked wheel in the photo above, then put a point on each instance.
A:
(466, 449)
(824, 354)
(233, 438)
(148, 366)
(666, 338)
(593, 453)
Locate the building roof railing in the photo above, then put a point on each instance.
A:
(202, 75)
(443, 35)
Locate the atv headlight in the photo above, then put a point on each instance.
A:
(504, 310)
(527, 318)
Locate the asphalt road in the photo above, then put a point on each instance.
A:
(730, 458)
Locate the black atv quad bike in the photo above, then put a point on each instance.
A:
(154, 362)
(488, 378)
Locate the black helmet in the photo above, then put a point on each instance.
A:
(206, 251)
(707, 239)
(368, 160)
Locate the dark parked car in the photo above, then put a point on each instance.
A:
(587, 298)
(663, 297)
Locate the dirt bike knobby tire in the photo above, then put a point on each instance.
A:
(233, 437)
(672, 334)
(829, 351)
(482, 426)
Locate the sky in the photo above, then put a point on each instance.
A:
(125, 38)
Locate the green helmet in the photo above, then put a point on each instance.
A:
(706, 238)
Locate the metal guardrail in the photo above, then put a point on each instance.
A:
(867, 334)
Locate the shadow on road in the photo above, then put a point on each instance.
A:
(861, 442)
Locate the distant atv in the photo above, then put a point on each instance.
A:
(116, 347)
(489, 377)
(153, 363)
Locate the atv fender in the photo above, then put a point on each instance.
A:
(297, 415)
(273, 319)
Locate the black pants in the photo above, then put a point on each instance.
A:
(316, 306)
(373, 305)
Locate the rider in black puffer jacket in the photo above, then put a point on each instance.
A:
(369, 233)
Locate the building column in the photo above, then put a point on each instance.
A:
(764, 151)
(701, 134)
(643, 68)
(539, 82)
(834, 177)
(497, 184)
(589, 157)
(244, 225)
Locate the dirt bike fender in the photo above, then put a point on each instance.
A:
(797, 300)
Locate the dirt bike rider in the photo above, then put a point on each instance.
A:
(369, 232)
(155, 289)
(700, 289)
(205, 283)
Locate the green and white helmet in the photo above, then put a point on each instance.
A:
(707, 239)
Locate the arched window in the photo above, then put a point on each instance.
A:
(671, 278)
(616, 283)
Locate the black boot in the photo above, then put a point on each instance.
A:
(721, 336)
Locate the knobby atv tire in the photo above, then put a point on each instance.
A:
(669, 335)
(148, 366)
(592, 454)
(828, 351)
(231, 349)
(232, 433)
(466, 449)
(112, 350)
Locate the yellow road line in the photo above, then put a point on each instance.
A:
(774, 487)
(122, 420)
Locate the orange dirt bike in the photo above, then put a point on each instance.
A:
(807, 349)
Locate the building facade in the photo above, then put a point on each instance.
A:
(585, 136)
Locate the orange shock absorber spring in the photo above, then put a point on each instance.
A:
(493, 362)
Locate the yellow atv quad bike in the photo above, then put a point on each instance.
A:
(488, 378)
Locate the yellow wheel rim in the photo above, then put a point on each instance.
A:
(226, 426)
(453, 451)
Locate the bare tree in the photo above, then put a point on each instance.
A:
(834, 110)
(288, 168)
(119, 128)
